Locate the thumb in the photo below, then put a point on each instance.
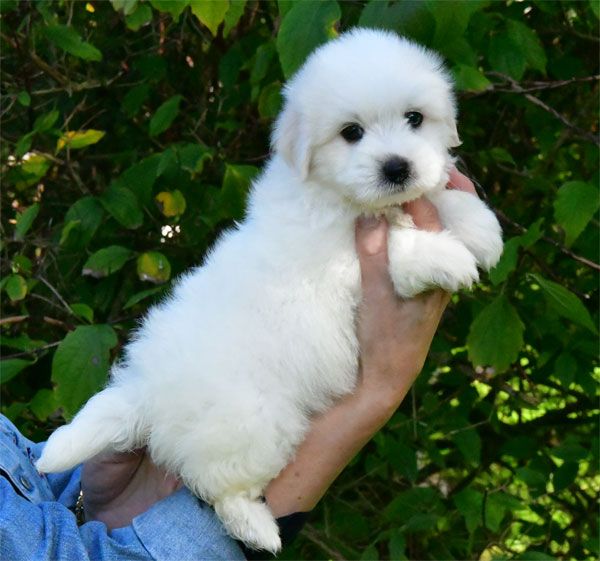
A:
(371, 246)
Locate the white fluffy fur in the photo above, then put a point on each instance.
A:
(221, 380)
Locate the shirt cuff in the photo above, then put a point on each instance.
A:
(181, 527)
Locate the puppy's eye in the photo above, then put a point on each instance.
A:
(414, 119)
(352, 132)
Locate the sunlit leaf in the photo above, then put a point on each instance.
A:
(154, 267)
(171, 203)
(79, 139)
(210, 13)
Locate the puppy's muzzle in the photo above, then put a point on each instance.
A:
(396, 170)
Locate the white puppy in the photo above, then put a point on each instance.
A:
(223, 377)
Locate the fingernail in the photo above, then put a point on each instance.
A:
(369, 222)
(373, 236)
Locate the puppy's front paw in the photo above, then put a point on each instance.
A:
(420, 260)
(473, 223)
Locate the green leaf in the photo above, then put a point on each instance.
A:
(69, 40)
(83, 311)
(570, 451)
(507, 262)
(210, 13)
(122, 204)
(520, 447)
(126, 6)
(10, 367)
(534, 479)
(575, 205)
(496, 335)
(135, 99)
(305, 27)
(140, 178)
(565, 303)
(80, 364)
(81, 222)
(192, 158)
(46, 121)
(173, 7)
(402, 458)
(564, 476)
(469, 503)
(469, 443)
(411, 18)
(8, 5)
(154, 267)
(269, 101)
(23, 144)
(165, 115)
(25, 220)
(78, 139)
(397, 546)
(533, 555)
(529, 43)
(16, 287)
(43, 404)
(495, 510)
(106, 261)
(565, 368)
(236, 183)
(451, 19)
(468, 78)
(24, 98)
(141, 16)
(22, 343)
(139, 296)
(233, 15)
(505, 55)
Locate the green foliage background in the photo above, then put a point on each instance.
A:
(130, 133)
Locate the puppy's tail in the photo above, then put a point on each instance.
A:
(110, 420)
(249, 520)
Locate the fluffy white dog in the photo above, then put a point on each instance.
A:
(223, 377)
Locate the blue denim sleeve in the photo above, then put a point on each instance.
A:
(36, 522)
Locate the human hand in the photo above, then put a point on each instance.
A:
(118, 486)
(395, 334)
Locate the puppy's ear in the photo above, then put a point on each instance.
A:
(291, 140)
(450, 122)
(453, 138)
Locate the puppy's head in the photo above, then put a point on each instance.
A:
(372, 116)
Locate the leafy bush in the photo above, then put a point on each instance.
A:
(131, 131)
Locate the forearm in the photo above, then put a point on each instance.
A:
(333, 440)
(337, 435)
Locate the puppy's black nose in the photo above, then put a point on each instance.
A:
(396, 170)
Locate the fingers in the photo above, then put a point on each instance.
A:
(424, 214)
(371, 246)
(461, 182)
